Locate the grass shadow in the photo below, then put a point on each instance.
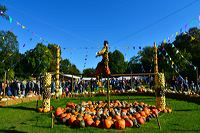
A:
(11, 131)
(20, 108)
(185, 130)
(185, 110)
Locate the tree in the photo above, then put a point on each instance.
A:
(3, 10)
(134, 65)
(89, 72)
(116, 62)
(65, 66)
(39, 59)
(9, 48)
(146, 58)
(73, 70)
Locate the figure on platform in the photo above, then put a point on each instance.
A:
(102, 67)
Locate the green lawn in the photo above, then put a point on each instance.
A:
(24, 118)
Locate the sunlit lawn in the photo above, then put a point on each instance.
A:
(24, 118)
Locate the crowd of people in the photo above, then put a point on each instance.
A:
(22, 88)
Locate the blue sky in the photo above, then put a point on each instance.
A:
(79, 24)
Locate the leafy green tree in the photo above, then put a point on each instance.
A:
(65, 66)
(53, 50)
(39, 59)
(146, 58)
(116, 62)
(134, 65)
(9, 47)
(3, 9)
(73, 70)
(89, 72)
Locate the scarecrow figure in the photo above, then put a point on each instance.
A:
(102, 67)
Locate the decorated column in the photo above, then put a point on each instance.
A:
(47, 92)
(159, 80)
(57, 71)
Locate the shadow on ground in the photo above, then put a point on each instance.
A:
(11, 131)
(19, 107)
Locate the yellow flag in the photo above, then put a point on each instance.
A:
(165, 41)
(192, 38)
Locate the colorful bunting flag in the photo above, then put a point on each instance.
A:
(192, 38)
(10, 19)
(18, 24)
(168, 39)
(165, 41)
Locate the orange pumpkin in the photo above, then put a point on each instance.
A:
(142, 113)
(155, 111)
(109, 117)
(137, 115)
(51, 108)
(89, 102)
(71, 105)
(146, 110)
(97, 123)
(120, 124)
(128, 122)
(165, 111)
(169, 110)
(68, 115)
(117, 117)
(89, 121)
(40, 110)
(124, 116)
(140, 120)
(107, 123)
(71, 120)
(59, 111)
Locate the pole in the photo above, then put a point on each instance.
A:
(72, 84)
(108, 93)
(57, 71)
(4, 91)
(197, 71)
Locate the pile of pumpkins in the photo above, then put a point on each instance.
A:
(118, 115)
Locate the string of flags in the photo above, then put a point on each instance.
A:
(181, 32)
(170, 61)
(86, 56)
(130, 47)
(34, 34)
(188, 62)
